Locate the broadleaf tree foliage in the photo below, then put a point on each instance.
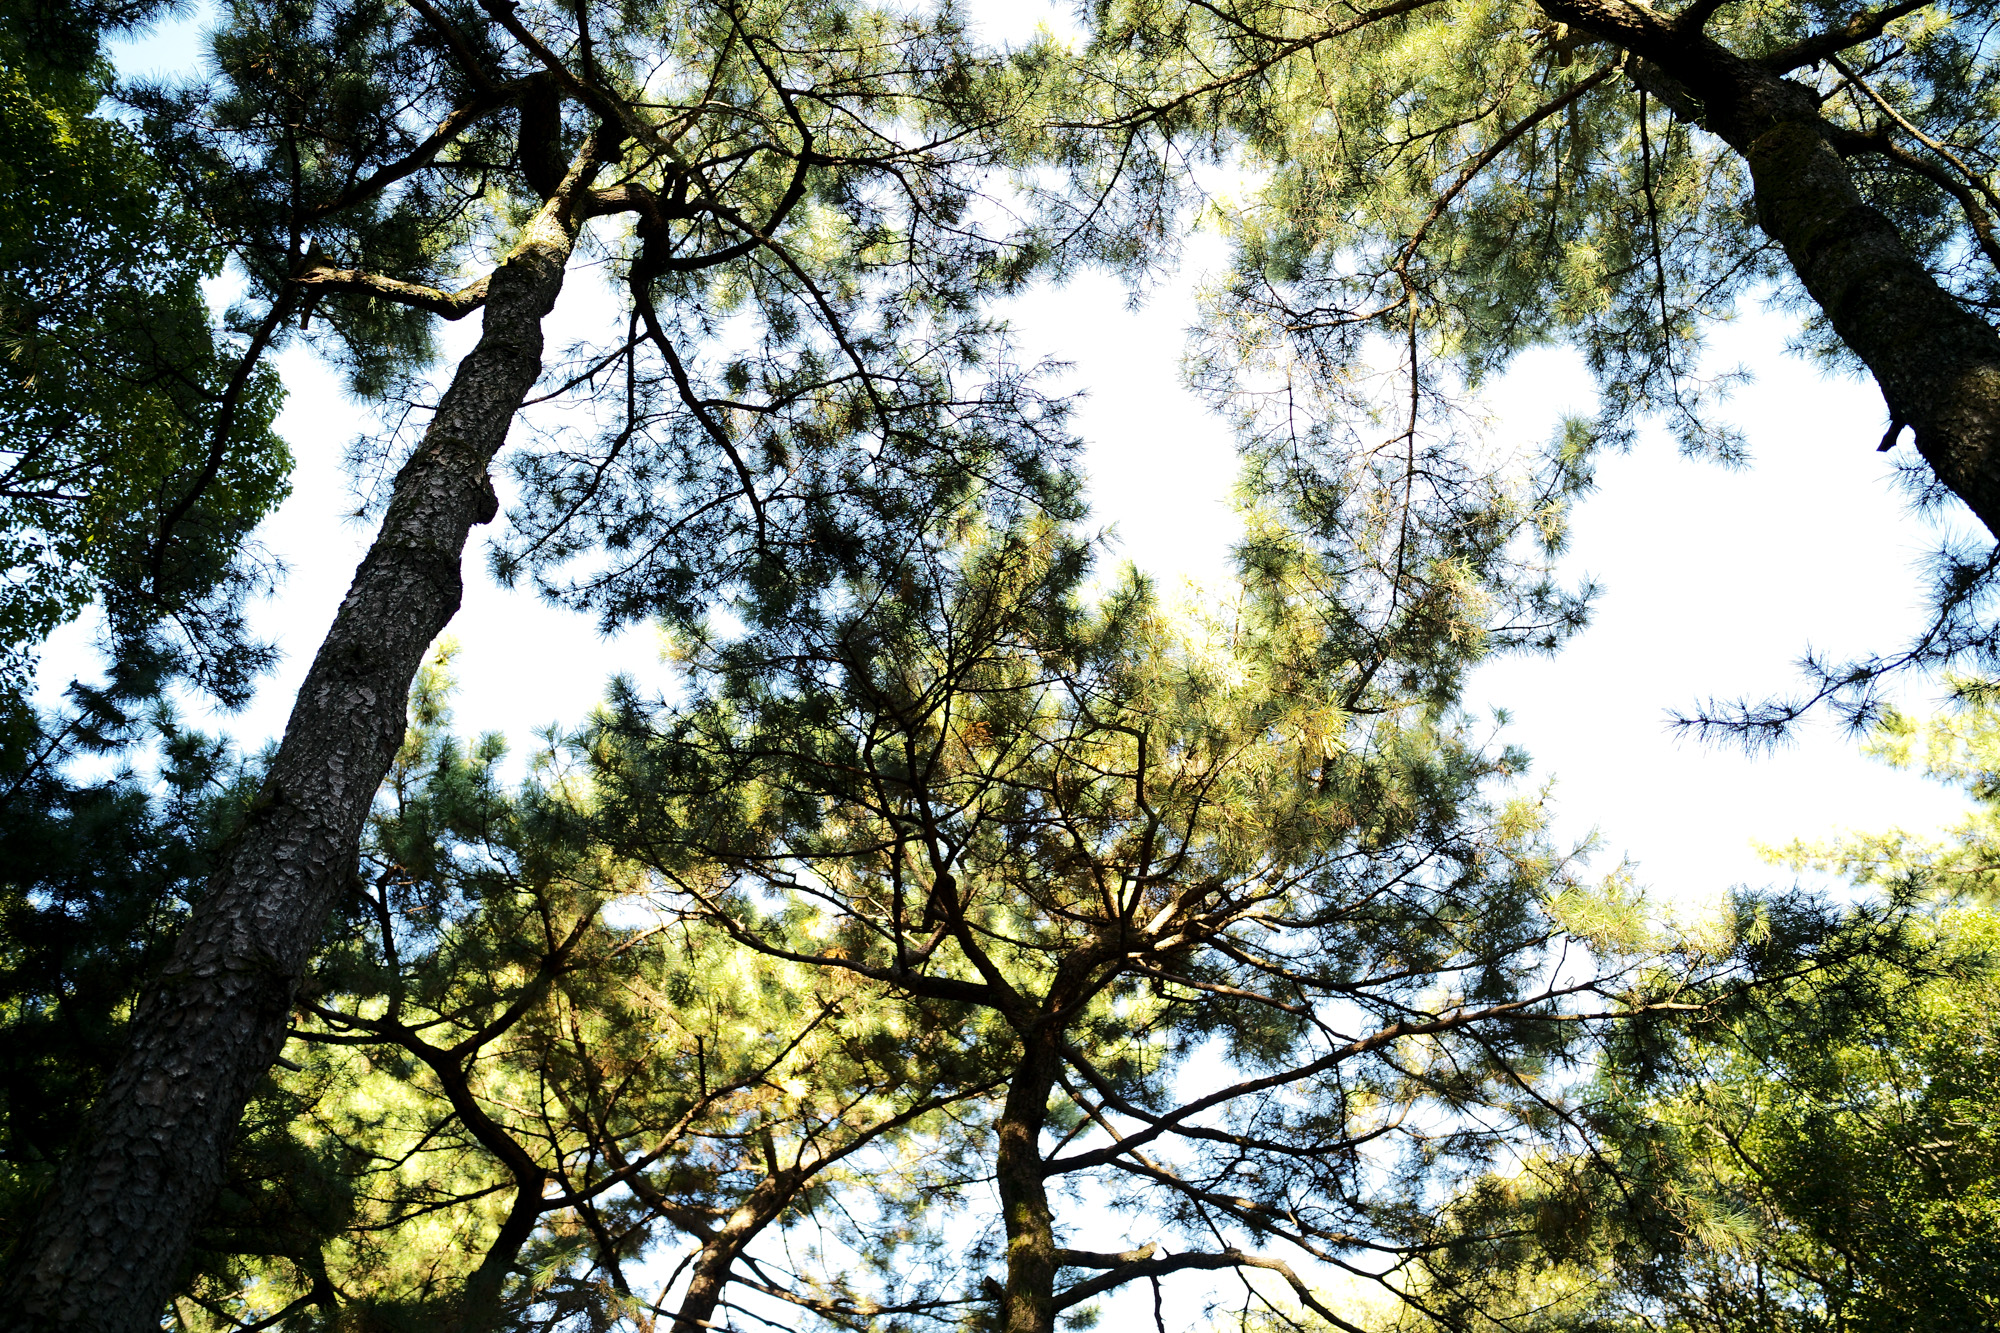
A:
(138, 457)
(138, 448)
(1842, 1129)
(803, 371)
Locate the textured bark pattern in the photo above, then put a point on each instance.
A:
(1937, 363)
(112, 1238)
(1029, 1305)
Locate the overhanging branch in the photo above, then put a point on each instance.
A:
(450, 305)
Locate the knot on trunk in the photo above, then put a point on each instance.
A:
(486, 502)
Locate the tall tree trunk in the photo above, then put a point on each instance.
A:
(111, 1240)
(1029, 1303)
(1937, 363)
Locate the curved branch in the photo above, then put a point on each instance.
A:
(1863, 27)
(218, 440)
(455, 123)
(642, 299)
(1154, 110)
(1181, 1263)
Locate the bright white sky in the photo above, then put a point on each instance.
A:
(1715, 580)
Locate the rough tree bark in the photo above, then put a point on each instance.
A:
(111, 1239)
(1029, 1302)
(1938, 364)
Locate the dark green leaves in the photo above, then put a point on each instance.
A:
(138, 450)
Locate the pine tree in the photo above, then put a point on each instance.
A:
(1444, 184)
(803, 373)
(96, 872)
(513, 1083)
(136, 455)
(1145, 847)
(1808, 1140)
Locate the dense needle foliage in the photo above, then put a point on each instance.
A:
(516, 1086)
(1817, 1151)
(95, 874)
(1437, 185)
(959, 942)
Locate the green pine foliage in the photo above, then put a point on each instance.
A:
(136, 456)
(807, 218)
(1271, 958)
(1813, 1150)
(1262, 967)
(94, 877)
(968, 941)
(1484, 177)
(517, 1082)
(1419, 191)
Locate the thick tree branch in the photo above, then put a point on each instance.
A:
(468, 61)
(1696, 16)
(1975, 213)
(1099, 1259)
(450, 305)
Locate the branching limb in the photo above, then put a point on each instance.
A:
(475, 68)
(219, 433)
(1181, 1263)
(1096, 1259)
(450, 305)
(1962, 188)
(448, 131)
(1155, 110)
(1696, 16)
(1863, 27)
(642, 300)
